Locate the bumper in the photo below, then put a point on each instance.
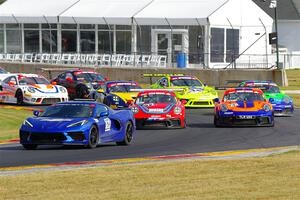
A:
(159, 122)
(44, 100)
(242, 119)
(194, 103)
(283, 110)
(53, 138)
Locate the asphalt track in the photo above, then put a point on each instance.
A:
(200, 136)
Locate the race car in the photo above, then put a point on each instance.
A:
(80, 84)
(243, 107)
(158, 107)
(282, 103)
(194, 93)
(118, 94)
(77, 123)
(31, 89)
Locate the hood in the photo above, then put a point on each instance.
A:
(52, 124)
(157, 108)
(126, 96)
(43, 88)
(245, 106)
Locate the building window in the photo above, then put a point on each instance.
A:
(123, 42)
(31, 41)
(87, 41)
(1, 38)
(217, 45)
(144, 39)
(232, 44)
(196, 44)
(104, 46)
(13, 41)
(69, 41)
(49, 41)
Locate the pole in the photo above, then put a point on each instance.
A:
(276, 30)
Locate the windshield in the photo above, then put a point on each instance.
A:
(271, 89)
(84, 77)
(243, 96)
(69, 111)
(123, 88)
(186, 82)
(155, 98)
(96, 77)
(33, 80)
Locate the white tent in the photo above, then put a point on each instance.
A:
(33, 11)
(103, 11)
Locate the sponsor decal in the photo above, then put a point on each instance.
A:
(245, 117)
(107, 122)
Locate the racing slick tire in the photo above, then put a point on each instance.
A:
(216, 122)
(128, 135)
(20, 98)
(30, 146)
(82, 91)
(184, 124)
(93, 137)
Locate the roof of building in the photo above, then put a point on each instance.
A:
(286, 9)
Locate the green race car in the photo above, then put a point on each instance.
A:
(282, 103)
(189, 89)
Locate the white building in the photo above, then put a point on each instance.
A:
(213, 33)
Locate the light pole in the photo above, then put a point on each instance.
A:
(273, 5)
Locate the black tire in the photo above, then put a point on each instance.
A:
(128, 135)
(20, 98)
(93, 137)
(82, 91)
(184, 126)
(30, 146)
(216, 122)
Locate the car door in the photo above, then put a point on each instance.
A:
(104, 124)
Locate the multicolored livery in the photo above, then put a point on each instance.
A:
(243, 107)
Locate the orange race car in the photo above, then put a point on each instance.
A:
(243, 107)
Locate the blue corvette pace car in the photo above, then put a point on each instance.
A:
(78, 123)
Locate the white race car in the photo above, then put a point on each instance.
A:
(31, 89)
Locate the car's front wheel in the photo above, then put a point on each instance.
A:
(19, 96)
(128, 135)
(30, 146)
(93, 137)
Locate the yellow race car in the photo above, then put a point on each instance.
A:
(118, 94)
(189, 89)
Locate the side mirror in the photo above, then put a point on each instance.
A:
(216, 100)
(183, 101)
(205, 84)
(36, 113)
(11, 83)
(54, 83)
(100, 91)
(106, 79)
(104, 114)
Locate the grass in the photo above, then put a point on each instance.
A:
(252, 178)
(294, 79)
(10, 122)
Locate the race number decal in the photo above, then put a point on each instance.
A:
(107, 122)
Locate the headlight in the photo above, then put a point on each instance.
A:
(135, 110)
(63, 90)
(27, 123)
(115, 98)
(31, 89)
(80, 123)
(177, 110)
(266, 108)
(286, 100)
(223, 107)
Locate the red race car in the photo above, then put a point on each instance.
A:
(158, 107)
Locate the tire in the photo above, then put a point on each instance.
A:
(93, 137)
(216, 122)
(184, 124)
(30, 146)
(128, 135)
(82, 91)
(20, 98)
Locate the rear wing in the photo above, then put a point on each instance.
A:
(225, 88)
(235, 84)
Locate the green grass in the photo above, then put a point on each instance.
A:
(293, 76)
(10, 122)
(270, 178)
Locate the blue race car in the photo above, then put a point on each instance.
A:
(78, 123)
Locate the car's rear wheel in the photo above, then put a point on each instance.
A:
(30, 146)
(93, 137)
(20, 98)
(128, 135)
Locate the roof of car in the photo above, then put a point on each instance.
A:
(168, 92)
(112, 82)
(231, 90)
